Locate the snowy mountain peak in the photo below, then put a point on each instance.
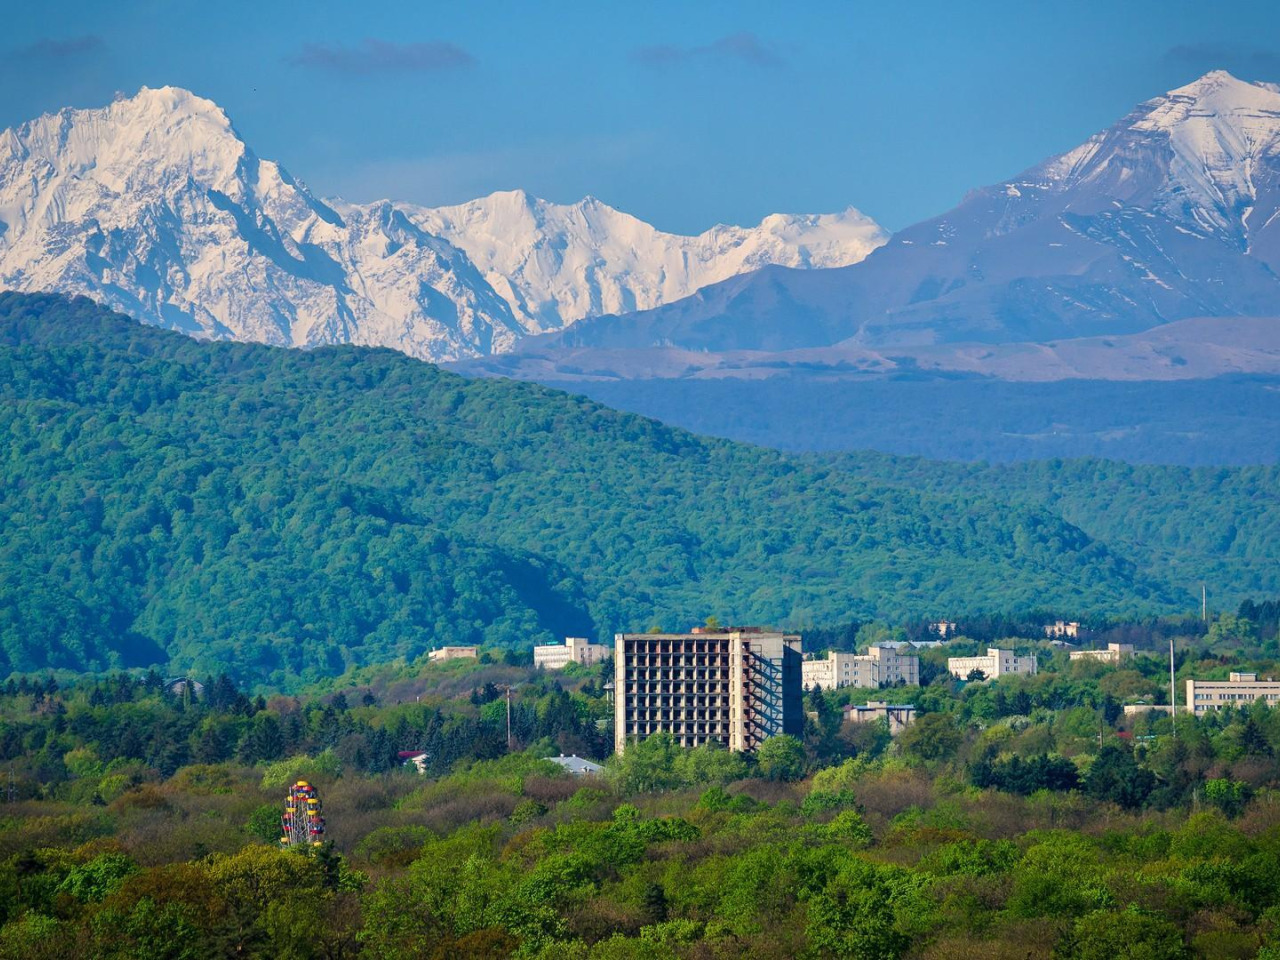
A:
(1216, 83)
(1247, 113)
(155, 205)
(1193, 154)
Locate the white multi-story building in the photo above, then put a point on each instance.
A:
(557, 656)
(879, 666)
(997, 663)
(1114, 653)
(1240, 689)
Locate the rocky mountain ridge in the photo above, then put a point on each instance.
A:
(156, 206)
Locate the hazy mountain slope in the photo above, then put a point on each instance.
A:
(1216, 422)
(285, 514)
(1172, 213)
(154, 205)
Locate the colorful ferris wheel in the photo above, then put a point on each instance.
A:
(302, 822)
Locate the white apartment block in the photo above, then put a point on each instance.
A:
(1115, 653)
(557, 656)
(453, 653)
(997, 663)
(878, 666)
(1240, 689)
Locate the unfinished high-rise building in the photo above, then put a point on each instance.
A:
(736, 687)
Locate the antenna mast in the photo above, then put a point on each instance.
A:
(1173, 693)
(1204, 603)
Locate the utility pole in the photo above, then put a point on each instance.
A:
(1204, 603)
(508, 719)
(1173, 693)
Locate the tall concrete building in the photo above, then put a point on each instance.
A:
(737, 687)
(879, 666)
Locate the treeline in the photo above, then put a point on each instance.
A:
(1187, 526)
(123, 726)
(1024, 817)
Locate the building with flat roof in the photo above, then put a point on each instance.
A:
(997, 663)
(1115, 653)
(557, 656)
(453, 653)
(1237, 691)
(1134, 709)
(737, 687)
(878, 667)
(577, 766)
(899, 715)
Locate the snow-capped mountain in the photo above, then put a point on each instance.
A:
(556, 264)
(155, 206)
(1172, 213)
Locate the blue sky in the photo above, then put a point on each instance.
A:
(686, 114)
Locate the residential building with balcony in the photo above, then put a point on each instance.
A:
(737, 687)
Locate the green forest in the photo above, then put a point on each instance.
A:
(286, 515)
(1188, 526)
(1025, 818)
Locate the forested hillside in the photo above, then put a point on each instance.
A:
(1182, 525)
(284, 514)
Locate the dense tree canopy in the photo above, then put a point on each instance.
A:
(283, 515)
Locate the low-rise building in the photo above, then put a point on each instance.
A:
(1061, 628)
(898, 715)
(557, 656)
(1134, 709)
(997, 663)
(879, 666)
(1238, 690)
(453, 653)
(577, 766)
(1115, 653)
